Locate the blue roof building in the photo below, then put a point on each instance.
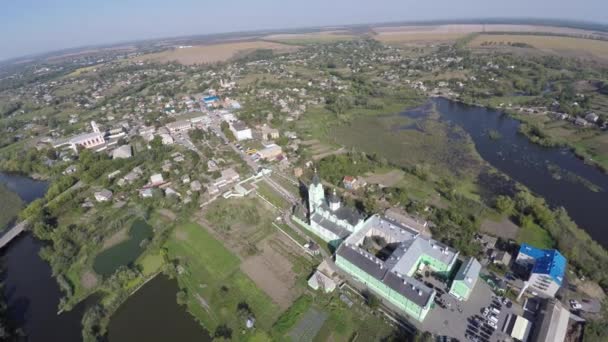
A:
(547, 268)
(210, 99)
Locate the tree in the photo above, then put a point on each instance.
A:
(182, 297)
(371, 300)
(504, 204)
(222, 332)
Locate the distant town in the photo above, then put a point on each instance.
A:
(324, 186)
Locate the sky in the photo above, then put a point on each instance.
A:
(37, 26)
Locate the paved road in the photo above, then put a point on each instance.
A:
(13, 233)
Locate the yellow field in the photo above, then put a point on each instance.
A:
(420, 34)
(213, 53)
(574, 47)
(310, 38)
(451, 32)
(416, 37)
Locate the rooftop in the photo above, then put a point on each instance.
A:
(469, 272)
(239, 126)
(546, 261)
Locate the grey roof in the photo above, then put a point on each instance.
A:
(408, 287)
(239, 126)
(469, 272)
(552, 323)
(329, 225)
(315, 178)
(364, 261)
(410, 251)
(346, 213)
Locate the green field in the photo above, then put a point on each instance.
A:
(11, 203)
(536, 236)
(124, 253)
(271, 195)
(213, 282)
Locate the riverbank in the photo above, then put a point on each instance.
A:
(540, 136)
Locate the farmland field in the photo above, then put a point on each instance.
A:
(213, 283)
(213, 53)
(310, 38)
(569, 46)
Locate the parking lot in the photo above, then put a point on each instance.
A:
(464, 320)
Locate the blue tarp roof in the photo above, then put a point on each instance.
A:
(210, 98)
(546, 261)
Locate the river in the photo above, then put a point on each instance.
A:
(32, 294)
(533, 165)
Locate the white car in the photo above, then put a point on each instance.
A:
(575, 304)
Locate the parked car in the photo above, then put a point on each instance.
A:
(575, 304)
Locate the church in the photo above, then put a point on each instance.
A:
(327, 217)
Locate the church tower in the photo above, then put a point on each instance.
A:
(316, 194)
(334, 201)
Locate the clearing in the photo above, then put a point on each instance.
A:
(272, 271)
(202, 54)
(503, 228)
(386, 179)
(88, 280)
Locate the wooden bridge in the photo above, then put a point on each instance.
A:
(12, 233)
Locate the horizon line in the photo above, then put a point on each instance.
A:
(559, 22)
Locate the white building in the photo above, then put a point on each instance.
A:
(167, 139)
(179, 126)
(546, 268)
(86, 140)
(228, 176)
(241, 131)
(270, 152)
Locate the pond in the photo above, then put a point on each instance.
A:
(554, 173)
(32, 294)
(124, 253)
(153, 315)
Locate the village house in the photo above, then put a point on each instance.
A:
(103, 195)
(580, 122)
(122, 152)
(156, 179)
(269, 133)
(592, 117)
(353, 183)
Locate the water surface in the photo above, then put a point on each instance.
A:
(554, 173)
(153, 315)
